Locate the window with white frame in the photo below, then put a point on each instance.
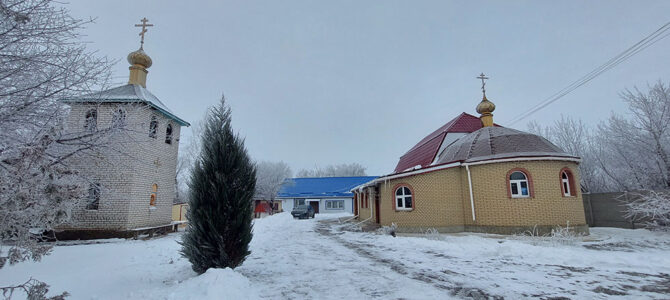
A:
(335, 204)
(298, 202)
(403, 198)
(565, 181)
(518, 184)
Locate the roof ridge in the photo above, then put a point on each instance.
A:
(325, 177)
(472, 144)
(491, 145)
(438, 131)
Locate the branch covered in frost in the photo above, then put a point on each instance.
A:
(42, 60)
(33, 290)
(652, 207)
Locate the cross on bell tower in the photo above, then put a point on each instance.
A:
(144, 26)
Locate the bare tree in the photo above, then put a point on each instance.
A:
(42, 60)
(270, 176)
(636, 147)
(341, 170)
(574, 138)
(187, 152)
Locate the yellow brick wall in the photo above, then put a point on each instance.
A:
(179, 212)
(547, 206)
(436, 200)
(364, 213)
(442, 200)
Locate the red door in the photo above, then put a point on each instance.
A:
(355, 206)
(315, 205)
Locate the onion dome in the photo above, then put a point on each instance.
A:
(139, 57)
(485, 107)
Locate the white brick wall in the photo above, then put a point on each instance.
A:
(128, 168)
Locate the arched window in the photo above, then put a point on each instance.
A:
(518, 184)
(93, 199)
(153, 127)
(403, 198)
(91, 121)
(119, 118)
(168, 134)
(152, 199)
(567, 183)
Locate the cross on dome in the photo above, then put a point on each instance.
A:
(144, 26)
(483, 78)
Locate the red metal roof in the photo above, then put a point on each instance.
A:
(423, 153)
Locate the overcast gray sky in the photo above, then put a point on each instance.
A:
(317, 83)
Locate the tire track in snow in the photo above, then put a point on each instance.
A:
(292, 260)
(439, 281)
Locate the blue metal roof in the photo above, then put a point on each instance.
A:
(320, 187)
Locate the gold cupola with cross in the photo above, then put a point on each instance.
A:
(139, 60)
(485, 108)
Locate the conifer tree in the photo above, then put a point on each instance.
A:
(222, 185)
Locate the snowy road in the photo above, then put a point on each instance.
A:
(322, 259)
(303, 259)
(291, 259)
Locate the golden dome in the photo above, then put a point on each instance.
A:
(485, 107)
(139, 57)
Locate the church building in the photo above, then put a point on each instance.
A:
(474, 175)
(131, 174)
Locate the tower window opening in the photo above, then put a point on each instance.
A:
(153, 127)
(91, 120)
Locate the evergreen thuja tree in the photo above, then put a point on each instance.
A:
(222, 185)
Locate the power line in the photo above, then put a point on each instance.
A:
(621, 57)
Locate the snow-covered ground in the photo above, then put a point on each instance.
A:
(322, 259)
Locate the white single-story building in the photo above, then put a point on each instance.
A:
(325, 194)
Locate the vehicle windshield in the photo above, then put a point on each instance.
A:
(301, 207)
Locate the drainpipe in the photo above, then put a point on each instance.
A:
(358, 210)
(472, 199)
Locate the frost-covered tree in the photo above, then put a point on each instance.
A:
(221, 186)
(352, 169)
(575, 138)
(635, 149)
(270, 176)
(652, 206)
(42, 60)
